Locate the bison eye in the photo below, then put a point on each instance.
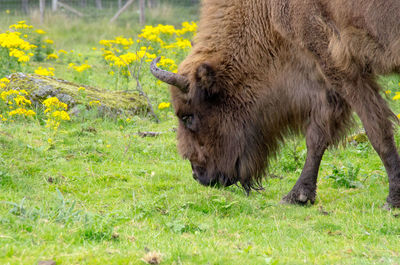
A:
(187, 121)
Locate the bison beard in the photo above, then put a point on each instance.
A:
(262, 69)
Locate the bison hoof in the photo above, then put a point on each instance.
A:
(301, 197)
(391, 204)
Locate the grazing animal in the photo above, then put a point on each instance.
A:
(262, 69)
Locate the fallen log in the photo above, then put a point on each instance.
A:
(108, 102)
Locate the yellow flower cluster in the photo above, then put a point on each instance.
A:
(152, 34)
(61, 115)
(95, 103)
(79, 68)
(164, 105)
(54, 103)
(113, 52)
(127, 58)
(21, 100)
(22, 112)
(55, 112)
(14, 42)
(168, 63)
(16, 102)
(40, 31)
(9, 95)
(120, 40)
(52, 56)
(180, 44)
(4, 82)
(159, 34)
(18, 42)
(117, 56)
(187, 27)
(17, 47)
(21, 25)
(45, 71)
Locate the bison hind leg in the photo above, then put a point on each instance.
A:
(330, 118)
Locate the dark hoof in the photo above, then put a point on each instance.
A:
(391, 204)
(299, 196)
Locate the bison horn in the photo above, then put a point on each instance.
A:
(179, 81)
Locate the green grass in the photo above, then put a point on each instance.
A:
(83, 202)
(108, 196)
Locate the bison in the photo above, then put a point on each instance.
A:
(262, 69)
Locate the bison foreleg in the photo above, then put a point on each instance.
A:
(306, 186)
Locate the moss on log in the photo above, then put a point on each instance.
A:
(111, 102)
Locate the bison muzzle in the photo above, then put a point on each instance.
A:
(260, 70)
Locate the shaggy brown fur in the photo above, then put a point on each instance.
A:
(261, 69)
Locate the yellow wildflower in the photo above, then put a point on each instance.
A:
(164, 105)
(21, 112)
(61, 115)
(40, 31)
(4, 82)
(55, 102)
(397, 96)
(21, 100)
(45, 72)
(94, 103)
(82, 67)
(52, 56)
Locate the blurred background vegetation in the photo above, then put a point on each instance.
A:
(90, 8)
(72, 33)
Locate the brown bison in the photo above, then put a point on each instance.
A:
(262, 69)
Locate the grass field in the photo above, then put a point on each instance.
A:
(104, 195)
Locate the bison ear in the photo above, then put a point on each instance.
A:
(206, 79)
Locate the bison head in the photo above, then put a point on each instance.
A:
(216, 132)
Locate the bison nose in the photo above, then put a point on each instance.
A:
(198, 171)
(200, 174)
